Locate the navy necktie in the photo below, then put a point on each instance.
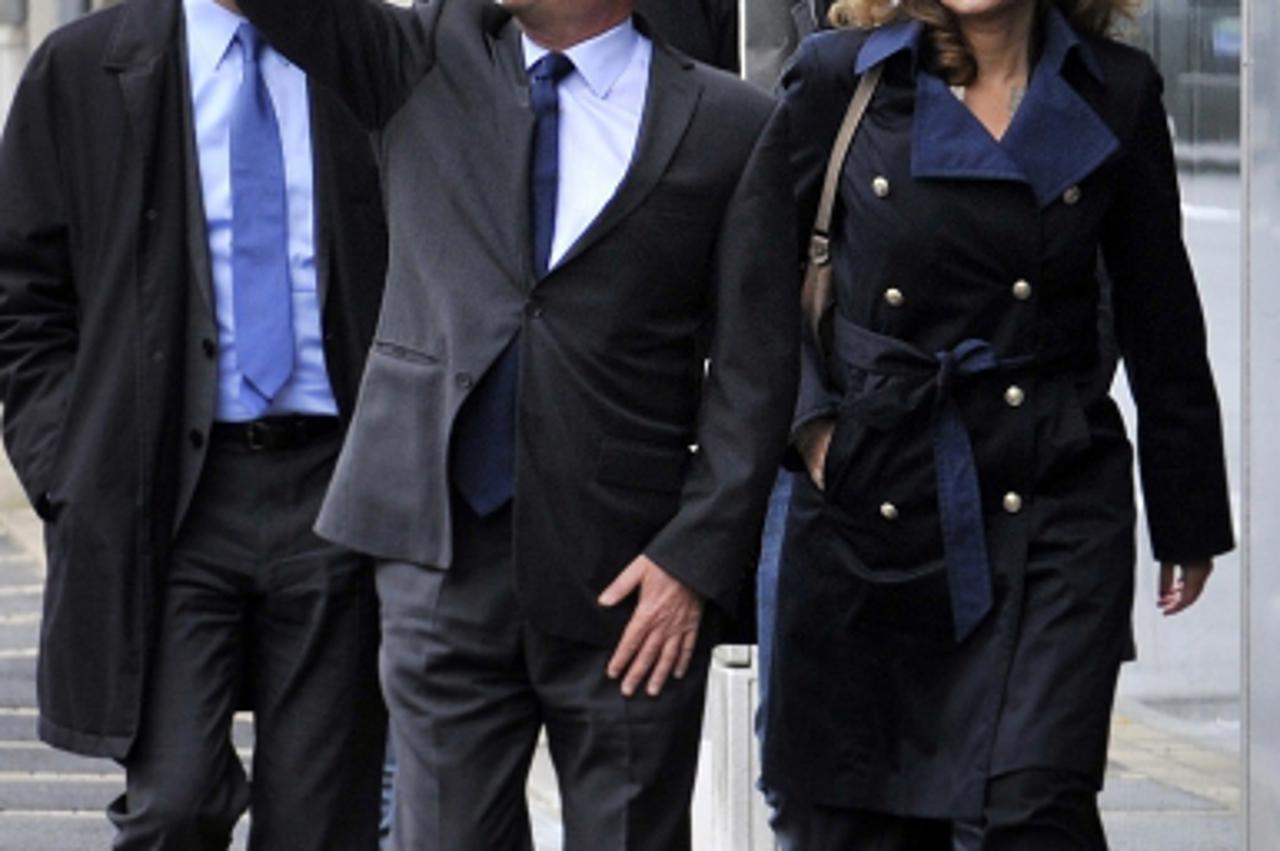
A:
(259, 226)
(484, 448)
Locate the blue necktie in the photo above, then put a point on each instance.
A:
(485, 442)
(259, 223)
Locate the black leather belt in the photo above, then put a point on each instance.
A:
(274, 433)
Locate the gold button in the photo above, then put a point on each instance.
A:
(1014, 397)
(1072, 195)
(1021, 290)
(880, 186)
(889, 511)
(894, 297)
(1012, 502)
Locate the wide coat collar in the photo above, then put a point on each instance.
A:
(949, 142)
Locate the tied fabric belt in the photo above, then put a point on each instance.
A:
(909, 379)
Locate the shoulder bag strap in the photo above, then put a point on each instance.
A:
(817, 297)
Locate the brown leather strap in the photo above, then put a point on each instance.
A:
(817, 297)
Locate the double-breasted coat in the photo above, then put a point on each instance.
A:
(967, 286)
(107, 334)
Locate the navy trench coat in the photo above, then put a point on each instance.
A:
(967, 281)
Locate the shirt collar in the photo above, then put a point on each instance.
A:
(211, 30)
(600, 59)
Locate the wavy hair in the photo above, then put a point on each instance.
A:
(952, 57)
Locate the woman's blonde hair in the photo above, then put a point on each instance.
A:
(952, 57)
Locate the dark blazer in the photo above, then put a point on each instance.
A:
(945, 240)
(103, 320)
(706, 30)
(689, 260)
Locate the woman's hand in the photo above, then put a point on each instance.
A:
(1182, 584)
(812, 442)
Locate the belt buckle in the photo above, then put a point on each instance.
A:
(258, 436)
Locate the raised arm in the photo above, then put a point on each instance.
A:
(369, 52)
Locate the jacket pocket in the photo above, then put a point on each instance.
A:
(404, 353)
(642, 466)
(882, 498)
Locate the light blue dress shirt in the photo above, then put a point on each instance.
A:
(215, 68)
(601, 104)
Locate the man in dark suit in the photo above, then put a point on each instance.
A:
(580, 220)
(191, 259)
(705, 30)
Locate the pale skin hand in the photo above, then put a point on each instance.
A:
(1181, 585)
(660, 637)
(812, 442)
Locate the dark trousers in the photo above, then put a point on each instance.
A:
(259, 613)
(469, 684)
(1032, 810)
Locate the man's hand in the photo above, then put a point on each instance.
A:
(812, 442)
(660, 637)
(1178, 590)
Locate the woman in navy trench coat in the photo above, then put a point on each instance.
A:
(957, 574)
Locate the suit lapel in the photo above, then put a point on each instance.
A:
(137, 52)
(197, 227)
(669, 107)
(509, 164)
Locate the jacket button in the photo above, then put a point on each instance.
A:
(1021, 290)
(880, 186)
(533, 309)
(152, 214)
(1012, 502)
(894, 297)
(464, 380)
(888, 511)
(209, 347)
(1014, 396)
(1072, 196)
(157, 356)
(196, 437)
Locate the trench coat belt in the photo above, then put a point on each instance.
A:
(904, 379)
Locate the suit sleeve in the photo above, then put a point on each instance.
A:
(38, 327)
(369, 52)
(1161, 334)
(750, 386)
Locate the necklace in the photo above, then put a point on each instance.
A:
(1016, 95)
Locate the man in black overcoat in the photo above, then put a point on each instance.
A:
(589, 276)
(178, 495)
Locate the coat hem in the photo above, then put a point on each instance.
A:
(85, 744)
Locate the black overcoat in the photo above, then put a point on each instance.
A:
(94, 286)
(945, 236)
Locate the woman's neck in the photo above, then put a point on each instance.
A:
(1001, 43)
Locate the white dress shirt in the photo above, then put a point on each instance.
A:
(601, 103)
(215, 67)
